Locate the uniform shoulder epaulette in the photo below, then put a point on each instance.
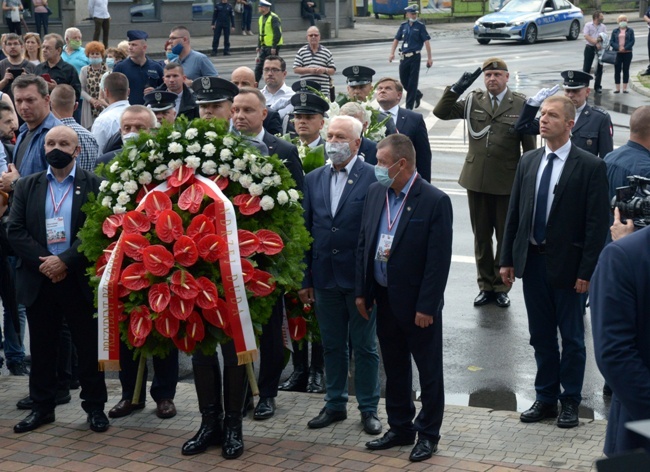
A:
(479, 91)
(519, 94)
(600, 110)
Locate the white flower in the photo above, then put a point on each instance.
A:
(161, 172)
(106, 201)
(103, 186)
(191, 133)
(239, 164)
(175, 148)
(209, 149)
(119, 209)
(282, 197)
(246, 181)
(277, 180)
(193, 148)
(267, 169)
(267, 203)
(192, 162)
(174, 135)
(227, 141)
(175, 164)
(116, 187)
(125, 175)
(255, 170)
(145, 178)
(139, 166)
(151, 143)
(235, 176)
(133, 153)
(209, 167)
(256, 190)
(226, 154)
(131, 187)
(123, 198)
(114, 166)
(210, 134)
(224, 170)
(267, 182)
(294, 195)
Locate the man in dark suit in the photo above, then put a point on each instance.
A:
(389, 93)
(51, 277)
(489, 169)
(248, 113)
(333, 203)
(556, 227)
(403, 261)
(620, 297)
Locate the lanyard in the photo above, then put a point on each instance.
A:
(401, 207)
(57, 206)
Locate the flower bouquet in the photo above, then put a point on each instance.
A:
(301, 319)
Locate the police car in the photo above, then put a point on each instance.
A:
(530, 20)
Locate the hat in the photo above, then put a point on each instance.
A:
(306, 103)
(305, 86)
(160, 101)
(134, 35)
(358, 75)
(575, 79)
(264, 3)
(213, 89)
(411, 9)
(494, 63)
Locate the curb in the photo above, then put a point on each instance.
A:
(637, 86)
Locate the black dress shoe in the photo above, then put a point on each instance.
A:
(326, 417)
(315, 382)
(124, 408)
(568, 415)
(646, 72)
(371, 423)
(33, 421)
(538, 412)
(423, 450)
(226, 54)
(297, 382)
(388, 440)
(98, 421)
(62, 397)
(265, 408)
(418, 97)
(503, 300)
(483, 298)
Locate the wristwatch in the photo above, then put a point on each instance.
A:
(13, 183)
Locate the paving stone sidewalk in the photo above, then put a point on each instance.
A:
(473, 439)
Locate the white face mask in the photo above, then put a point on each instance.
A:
(128, 137)
(338, 153)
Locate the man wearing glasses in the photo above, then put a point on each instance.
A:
(277, 93)
(315, 62)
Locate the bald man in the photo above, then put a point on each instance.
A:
(245, 77)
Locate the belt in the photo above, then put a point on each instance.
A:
(410, 54)
(537, 248)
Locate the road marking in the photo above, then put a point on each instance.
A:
(463, 259)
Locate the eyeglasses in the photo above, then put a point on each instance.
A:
(313, 35)
(271, 71)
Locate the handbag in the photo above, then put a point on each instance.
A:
(239, 7)
(15, 15)
(609, 57)
(49, 12)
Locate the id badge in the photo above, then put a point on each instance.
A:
(405, 45)
(55, 230)
(383, 248)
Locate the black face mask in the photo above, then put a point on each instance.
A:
(58, 159)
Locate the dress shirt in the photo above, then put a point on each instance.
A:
(279, 101)
(108, 123)
(3, 159)
(314, 143)
(338, 179)
(61, 73)
(499, 97)
(89, 147)
(98, 9)
(392, 112)
(59, 190)
(33, 159)
(592, 30)
(578, 112)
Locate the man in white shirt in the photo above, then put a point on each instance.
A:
(108, 122)
(277, 93)
(98, 11)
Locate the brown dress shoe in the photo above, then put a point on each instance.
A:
(124, 408)
(165, 409)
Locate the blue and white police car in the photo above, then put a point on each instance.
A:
(530, 20)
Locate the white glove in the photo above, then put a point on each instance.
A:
(542, 95)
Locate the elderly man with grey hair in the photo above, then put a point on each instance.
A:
(368, 148)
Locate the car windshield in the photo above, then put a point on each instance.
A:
(527, 6)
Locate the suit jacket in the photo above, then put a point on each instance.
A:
(335, 237)
(593, 132)
(577, 224)
(420, 254)
(620, 297)
(368, 150)
(491, 161)
(412, 125)
(289, 154)
(272, 122)
(26, 231)
(188, 107)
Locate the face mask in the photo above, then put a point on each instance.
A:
(178, 49)
(110, 62)
(74, 44)
(381, 173)
(128, 137)
(338, 153)
(58, 159)
(95, 60)
(623, 24)
(411, 20)
(171, 56)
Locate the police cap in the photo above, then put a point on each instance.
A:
(411, 9)
(160, 100)
(213, 89)
(494, 63)
(134, 35)
(575, 79)
(358, 75)
(304, 85)
(264, 3)
(305, 103)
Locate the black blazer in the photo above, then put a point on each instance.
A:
(26, 231)
(289, 154)
(412, 125)
(577, 223)
(368, 150)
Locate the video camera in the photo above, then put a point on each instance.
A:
(633, 201)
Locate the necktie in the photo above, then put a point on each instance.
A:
(539, 226)
(495, 103)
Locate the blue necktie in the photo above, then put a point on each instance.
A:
(539, 227)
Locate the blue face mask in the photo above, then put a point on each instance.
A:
(110, 62)
(171, 56)
(381, 173)
(178, 49)
(95, 60)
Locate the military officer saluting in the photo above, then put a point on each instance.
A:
(592, 131)
(414, 36)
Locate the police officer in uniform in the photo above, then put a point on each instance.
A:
(270, 36)
(495, 148)
(163, 104)
(592, 131)
(413, 35)
(223, 20)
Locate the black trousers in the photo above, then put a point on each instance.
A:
(102, 25)
(409, 75)
(622, 64)
(216, 36)
(259, 65)
(271, 353)
(45, 318)
(589, 55)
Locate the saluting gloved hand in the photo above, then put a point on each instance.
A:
(542, 95)
(465, 81)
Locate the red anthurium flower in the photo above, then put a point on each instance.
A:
(143, 191)
(134, 243)
(134, 277)
(212, 247)
(211, 211)
(100, 265)
(297, 327)
(191, 198)
(185, 344)
(185, 251)
(157, 259)
(120, 309)
(136, 222)
(199, 227)
(208, 294)
(159, 296)
(135, 341)
(194, 328)
(180, 176)
(221, 181)
(247, 269)
(261, 284)
(110, 225)
(180, 308)
(270, 242)
(156, 203)
(248, 204)
(122, 291)
(217, 316)
(184, 285)
(248, 243)
(169, 226)
(140, 323)
(166, 324)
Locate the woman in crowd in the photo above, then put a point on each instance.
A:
(90, 78)
(170, 56)
(622, 41)
(73, 52)
(33, 51)
(41, 16)
(113, 56)
(9, 7)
